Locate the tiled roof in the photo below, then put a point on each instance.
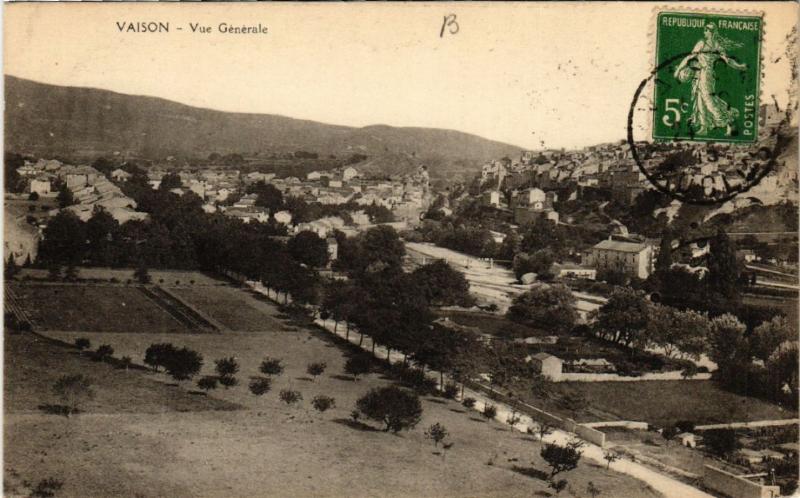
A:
(616, 245)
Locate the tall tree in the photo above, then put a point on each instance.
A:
(546, 307)
(64, 240)
(268, 196)
(64, 197)
(723, 268)
(308, 248)
(766, 338)
(170, 181)
(13, 182)
(101, 230)
(623, 318)
(442, 285)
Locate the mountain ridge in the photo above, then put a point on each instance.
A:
(78, 121)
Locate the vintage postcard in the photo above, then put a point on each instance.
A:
(400, 250)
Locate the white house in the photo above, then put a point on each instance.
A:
(546, 364)
(284, 217)
(349, 173)
(40, 185)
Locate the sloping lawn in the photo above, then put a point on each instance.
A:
(666, 402)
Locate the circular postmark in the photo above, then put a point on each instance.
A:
(692, 169)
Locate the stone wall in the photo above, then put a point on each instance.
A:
(735, 486)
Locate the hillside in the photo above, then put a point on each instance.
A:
(57, 120)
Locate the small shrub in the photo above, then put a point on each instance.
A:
(125, 362)
(316, 369)
(437, 432)
(207, 383)
(113, 280)
(290, 397)
(610, 457)
(103, 353)
(73, 391)
(450, 391)
(468, 402)
(489, 411)
(46, 488)
(417, 380)
(355, 415)
(228, 381)
(685, 425)
(323, 403)
(561, 458)
(558, 486)
(227, 367)
(513, 419)
(260, 385)
(359, 364)
(83, 343)
(191, 282)
(271, 366)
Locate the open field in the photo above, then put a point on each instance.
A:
(94, 308)
(496, 325)
(266, 448)
(167, 278)
(233, 308)
(662, 402)
(672, 453)
(33, 364)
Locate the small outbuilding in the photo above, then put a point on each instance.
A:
(548, 365)
(687, 439)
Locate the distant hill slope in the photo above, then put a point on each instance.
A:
(58, 120)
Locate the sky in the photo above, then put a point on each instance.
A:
(533, 75)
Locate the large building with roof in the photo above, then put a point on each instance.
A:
(631, 258)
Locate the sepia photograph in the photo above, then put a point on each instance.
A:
(436, 249)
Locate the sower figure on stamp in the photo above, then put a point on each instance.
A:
(709, 111)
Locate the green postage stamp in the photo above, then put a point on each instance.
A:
(708, 68)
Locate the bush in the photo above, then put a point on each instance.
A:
(157, 355)
(561, 458)
(260, 385)
(489, 411)
(227, 367)
(73, 391)
(103, 353)
(721, 442)
(468, 402)
(183, 364)
(685, 425)
(415, 378)
(513, 419)
(82, 343)
(437, 432)
(397, 408)
(228, 381)
(359, 364)
(207, 383)
(450, 391)
(271, 366)
(46, 488)
(125, 362)
(322, 403)
(290, 397)
(316, 369)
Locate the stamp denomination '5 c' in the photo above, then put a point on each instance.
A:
(707, 82)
